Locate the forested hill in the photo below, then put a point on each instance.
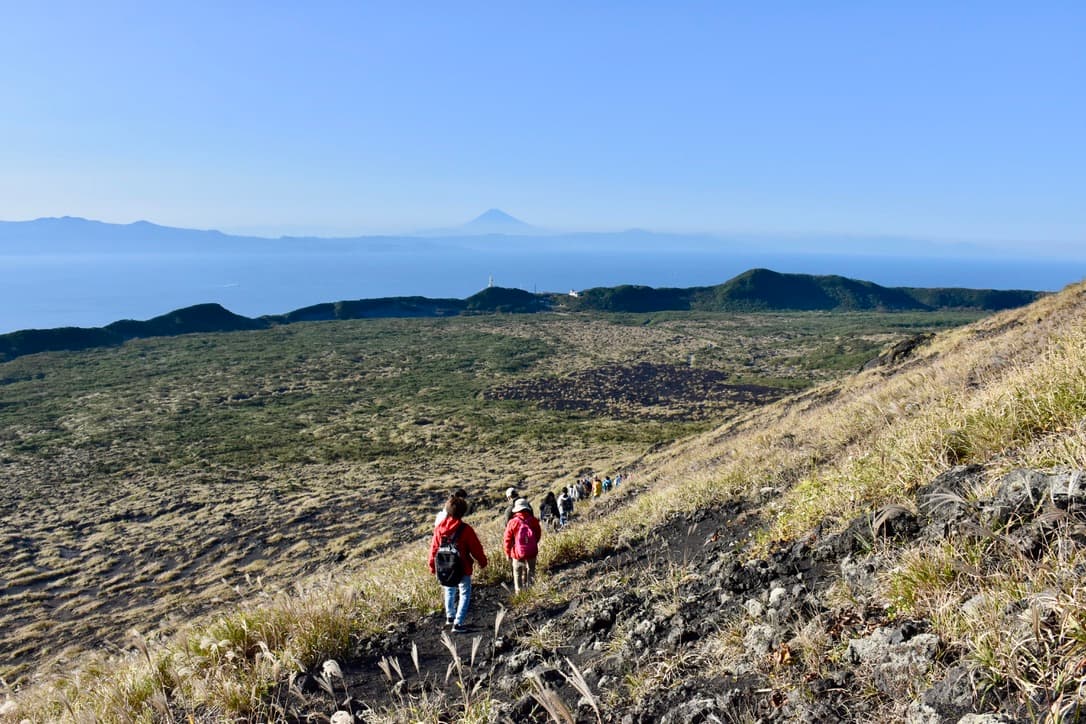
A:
(752, 291)
(766, 290)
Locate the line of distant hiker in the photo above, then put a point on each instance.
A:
(455, 548)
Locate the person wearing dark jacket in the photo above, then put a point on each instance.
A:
(471, 551)
(548, 511)
(511, 496)
(521, 543)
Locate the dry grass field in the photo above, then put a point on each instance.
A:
(143, 486)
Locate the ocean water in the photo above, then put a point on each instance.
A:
(92, 290)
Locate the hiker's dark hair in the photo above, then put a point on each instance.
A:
(456, 507)
(460, 493)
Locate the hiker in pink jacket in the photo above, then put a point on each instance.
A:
(522, 534)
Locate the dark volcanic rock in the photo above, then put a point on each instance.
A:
(949, 698)
(944, 501)
(645, 389)
(893, 522)
(899, 352)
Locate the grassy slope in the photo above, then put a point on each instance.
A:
(1007, 392)
(216, 663)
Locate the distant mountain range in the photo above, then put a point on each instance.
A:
(492, 229)
(73, 233)
(754, 290)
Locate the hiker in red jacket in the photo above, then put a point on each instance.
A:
(522, 535)
(453, 529)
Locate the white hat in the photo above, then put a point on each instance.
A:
(510, 492)
(521, 504)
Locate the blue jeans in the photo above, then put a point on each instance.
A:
(461, 610)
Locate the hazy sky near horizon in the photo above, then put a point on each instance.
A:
(953, 121)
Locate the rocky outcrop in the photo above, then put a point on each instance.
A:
(898, 353)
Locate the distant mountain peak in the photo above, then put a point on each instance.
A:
(496, 221)
(490, 222)
(496, 216)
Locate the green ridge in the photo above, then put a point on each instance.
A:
(754, 290)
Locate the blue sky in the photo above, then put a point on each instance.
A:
(949, 121)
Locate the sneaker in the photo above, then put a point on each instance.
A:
(448, 620)
(459, 628)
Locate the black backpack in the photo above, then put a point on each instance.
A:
(448, 566)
